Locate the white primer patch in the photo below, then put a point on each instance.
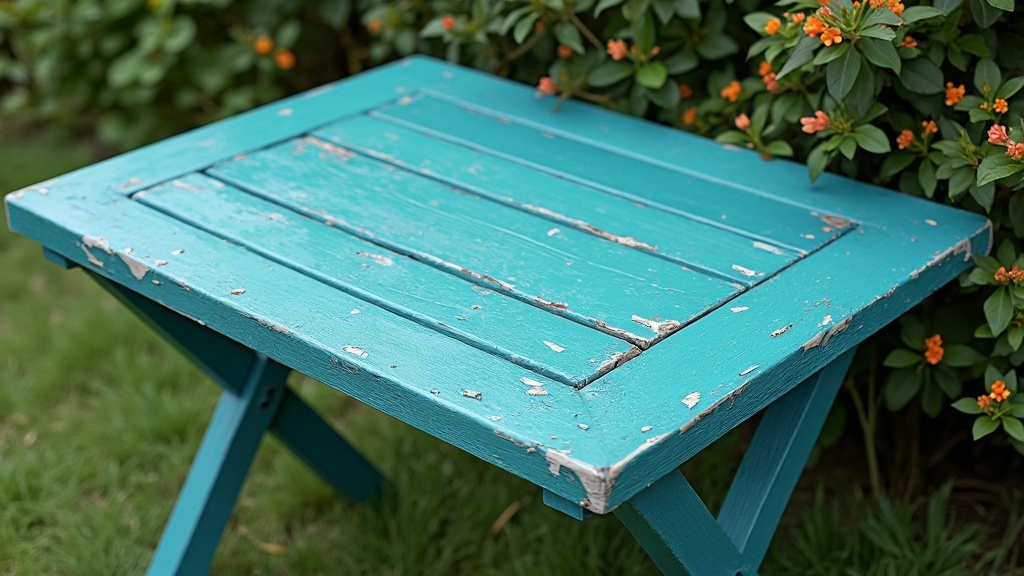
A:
(739, 308)
(691, 399)
(473, 394)
(553, 231)
(357, 351)
(537, 392)
(749, 370)
(746, 271)
(97, 242)
(531, 382)
(354, 311)
(238, 291)
(768, 248)
(554, 346)
(137, 268)
(379, 259)
(658, 327)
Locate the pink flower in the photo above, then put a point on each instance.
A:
(617, 49)
(547, 86)
(816, 123)
(997, 135)
(742, 122)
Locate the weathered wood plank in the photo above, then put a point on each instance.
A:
(565, 202)
(551, 345)
(590, 280)
(714, 203)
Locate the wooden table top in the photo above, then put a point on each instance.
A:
(582, 298)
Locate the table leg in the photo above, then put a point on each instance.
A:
(676, 528)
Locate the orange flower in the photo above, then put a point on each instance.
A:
(685, 91)
(617, 49)
(906, 138)
(896, 6)
(263, 45)
(930, 127)
(764, 68)
(985, 403)
(732, 91)
(1016, 274)
(448, 21)
(1001, 276)
(1015, 150)
(997, 135)
(655, 51)
(547, 86)
(811, 124)
(742, 122)
(876, 3)
(564, 51)
(284, 59)
(831, 36)
(799, 17)
(690, 116)
(933, 350)
(814, 26)
(908, 42)
(1000, 106)
(374, 26)
(954, 94)
(999, 391)
(772, 27)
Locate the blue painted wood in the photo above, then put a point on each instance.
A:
(317, 444)
(592, 281)
(622, 432)
(717, 204)
(675, 528)
(215, 479)
(549, 344)
(564, 202)
(58, 259)
(571, 509)
(775, 459)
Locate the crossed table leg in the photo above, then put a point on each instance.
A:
(668, 518)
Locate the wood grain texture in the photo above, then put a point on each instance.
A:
(527, 335)
(641, 420)
(587, 279)
(565, 202)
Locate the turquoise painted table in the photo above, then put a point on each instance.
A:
(584, 299)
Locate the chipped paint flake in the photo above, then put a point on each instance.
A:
(691, 399)
(553, 231)
(495, 418)
(285, 112)
(473, 394)
(185, 185)
(735, 309)
(662, 327)
(645, 429)
(780, 331)
(531, 382)
(356, 351)
(328, 147)
(354, 312)
(237, 291)
(825, 321)
(746, 271)
(537, 392)
(583, 426)
(549, 304)
(931, 222)
(160, 262)
(137, 268)
(768, 248)
(837, 222)
(554, 346)
(97, 242)
(749, 370)
(177, 252)
(379, 259)
(822, 338)
(617, 359)
(92, 259)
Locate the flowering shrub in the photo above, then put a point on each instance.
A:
(922, 98)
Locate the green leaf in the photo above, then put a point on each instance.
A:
(996, 166)
(841, 74)
(715, 47)
(609, 73)
(984, 14)
(524, 27)
(984, 195)
(921, 76)
(1014, 428)
(848, 146)
(817, 161)
(779, 148)
(984, 426)
(1010, 87)
(1005, 5)
(566, 33)
(872, 139)
(974, 44)
(732, 137)
(967, 406)
(918, 13)
(903, 358)
(688, 9)
(604, 5)
(758, 20)
(912, 332)
(947, 379)
(878, 32)
(896, 162)
(801, 55)
(825, 56)
(652, 75)
(644, 32)
(998, 310)
(880, 53)
(986, 73)
(666, 97)
(901, 387)
(682, 61)
(961, 356)
(926, 176)
(1015, 336)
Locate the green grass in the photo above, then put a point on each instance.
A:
(99, 420)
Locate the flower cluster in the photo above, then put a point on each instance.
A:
(998, 136)
(1004, 276)
(933, 350)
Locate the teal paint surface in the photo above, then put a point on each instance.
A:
(739, 347)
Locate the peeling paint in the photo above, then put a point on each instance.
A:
(92, 259)
(354, 311)
(582, 426)
(749, 370)
(822, 338)
(177, 252)
(272, 326)
(285, 112)
(328, 147)
(549, 304)
(691, 399)
(739, 308)
(537, 392)
(473, 394)
(379, 259)
(356, 351)
(137, 268)
(554, 346)
(961, 247)
(931, 222)
(663, 327)
(531, 382)
(553, 231)
(585, 227)
(237, 291)
(768, 248)
(97, 242)
(495, 418)
(746, 271)
(645, 429)
(837, 222)
(185, 185)
(780, 331)
(160, 262)
(825, 321)
(617, 359)
(504, 436)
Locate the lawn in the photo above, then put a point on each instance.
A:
(99, 421)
